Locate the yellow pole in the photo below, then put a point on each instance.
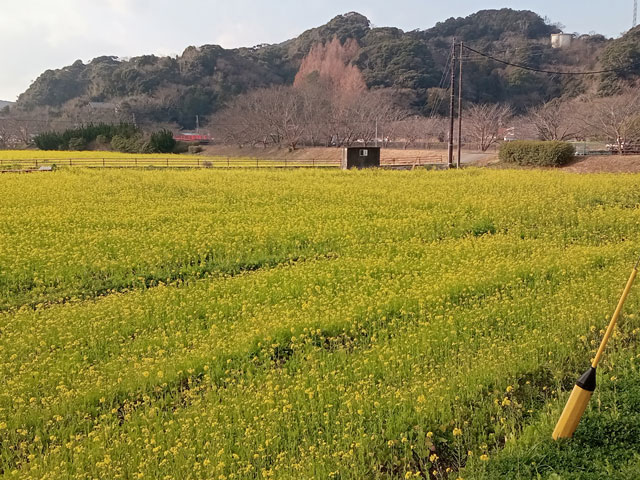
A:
(614, 318)
(586, 384)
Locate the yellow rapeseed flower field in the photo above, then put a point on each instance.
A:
(303, 324)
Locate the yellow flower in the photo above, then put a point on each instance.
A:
(457, 432)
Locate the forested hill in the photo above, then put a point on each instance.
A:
(202, 79)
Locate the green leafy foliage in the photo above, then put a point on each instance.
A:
(162, 142)
(82, 136)
(400, 62)
(623, 55)
(537, 153)
(492, 25)
(77, 143)
(127, 144)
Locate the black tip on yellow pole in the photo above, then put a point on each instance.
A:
(586, 384)
(576, 405)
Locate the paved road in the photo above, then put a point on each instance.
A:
(469, 158)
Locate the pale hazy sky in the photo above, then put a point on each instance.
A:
(36, 35)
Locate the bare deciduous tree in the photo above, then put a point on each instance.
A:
(331, 62)
(266, 116)
(415, 129)
(616, 118)
(5, 135)
(556, 120)
(484, 122)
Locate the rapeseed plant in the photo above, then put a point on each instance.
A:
(267, 324)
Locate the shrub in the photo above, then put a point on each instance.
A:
(144, 146)
(162, 141)
(537, 153)
(77, 143)
(48, 141)
(181, 147)
(118, 143)
(128, 145)
(102, 140)
(193, 149)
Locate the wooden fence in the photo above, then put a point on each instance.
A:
(202, 162)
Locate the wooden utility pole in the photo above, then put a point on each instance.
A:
(459, 158)
(453, 101)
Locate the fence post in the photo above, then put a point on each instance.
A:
(228, 162)
(36, 163)
(167, 162)
(313, 162)
(69, 162)
(103, 163)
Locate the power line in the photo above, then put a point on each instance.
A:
(438, 103)
(473, 56)
(539, 70)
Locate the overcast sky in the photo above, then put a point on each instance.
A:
(36, 35)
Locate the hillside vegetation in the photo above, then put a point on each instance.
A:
(203, 79)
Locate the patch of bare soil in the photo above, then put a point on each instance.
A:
(605, 164)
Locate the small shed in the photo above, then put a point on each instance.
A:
(360, 157)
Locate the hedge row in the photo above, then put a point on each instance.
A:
(79, 138)
(537, 153)
(124, 137)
